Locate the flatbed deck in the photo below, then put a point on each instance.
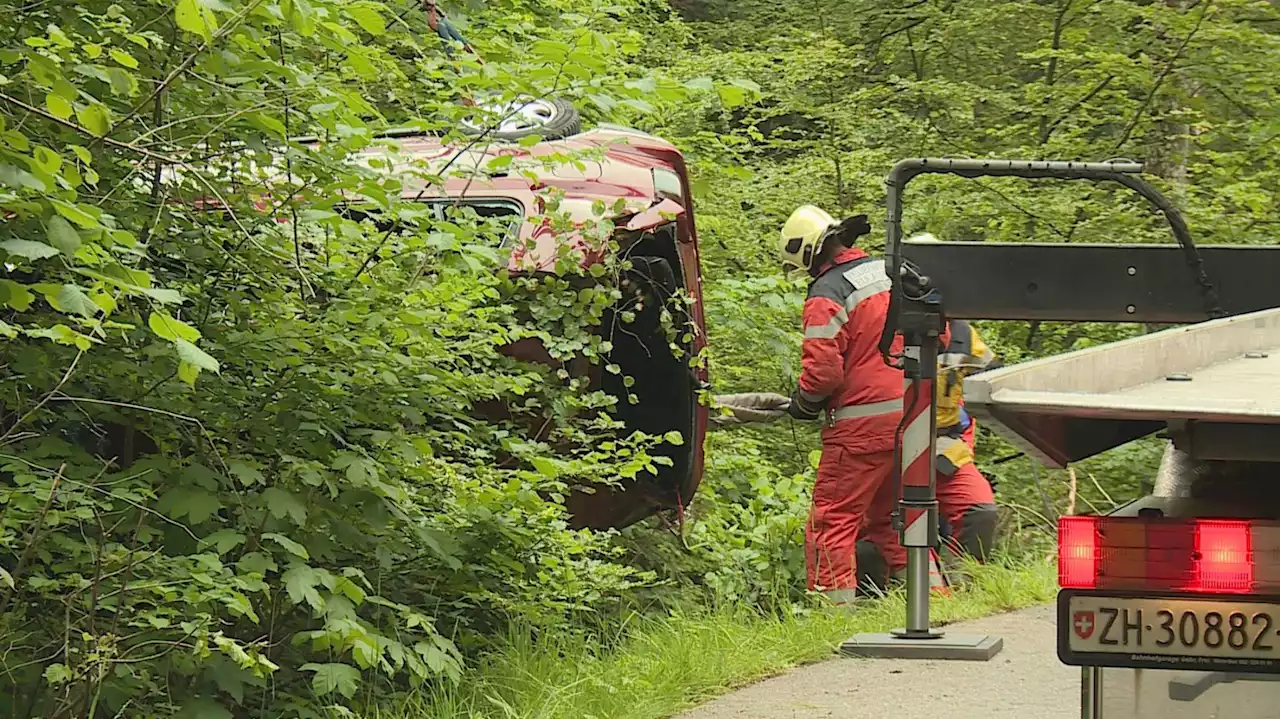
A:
(1216, 382)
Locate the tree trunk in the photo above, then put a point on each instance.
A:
(1168, 142)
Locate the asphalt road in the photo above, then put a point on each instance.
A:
(1024, 681)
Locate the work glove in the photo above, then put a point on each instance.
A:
(851, 228)
(749, 407)
(803, 409)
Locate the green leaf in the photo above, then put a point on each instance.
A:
(283, 503)
(95, 118)
(62, 235)
(7, 579)
(28, 249)
(191, 354)
(197, 505)
(256, 563)
(291, 546)
(268, 123)
(18, 178)
(547, 466)
(163, 296)
(62, 335)
(731, 96)
(122, 82)
(168, 328)
(815, 456)
(303, 18)
(124, 58)
(195, 18)
(56, 674)
(203, 708)
(58, 106)
(16, 295)
(300, 582)
(248, 474)
(224, 540)
(82, 215)
(350, 589)
(188, 373)
(641, 105)
(73, 299)
(240, 606)
(83, 153)
(674, 437)
(46, 160)
(230, 677)
(700, 83)
(329, 678)
(368, 18)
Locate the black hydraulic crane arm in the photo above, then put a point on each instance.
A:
(1048, 281)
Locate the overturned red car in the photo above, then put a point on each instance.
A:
(643, 181)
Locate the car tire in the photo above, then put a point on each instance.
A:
(552, 119)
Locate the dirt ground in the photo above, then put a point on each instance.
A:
(1025, 680)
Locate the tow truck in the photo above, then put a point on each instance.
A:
(1170, 604)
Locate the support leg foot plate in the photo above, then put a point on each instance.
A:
(950, 647)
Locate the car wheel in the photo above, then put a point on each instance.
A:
(551, 119)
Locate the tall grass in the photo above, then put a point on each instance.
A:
(659, 666)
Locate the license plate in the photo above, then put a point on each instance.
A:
(1170, 631)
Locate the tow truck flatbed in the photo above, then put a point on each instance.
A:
(1217, 383)
(1200, 549)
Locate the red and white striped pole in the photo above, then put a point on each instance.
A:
(918, 504)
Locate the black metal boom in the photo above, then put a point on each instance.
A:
(1077, 282)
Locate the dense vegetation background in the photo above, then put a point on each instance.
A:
(241, 474)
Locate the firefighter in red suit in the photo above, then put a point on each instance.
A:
(845, 382)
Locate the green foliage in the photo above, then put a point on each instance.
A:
(847, 90)
(246, 465)
(660, 666)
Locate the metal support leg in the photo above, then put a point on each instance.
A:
(1091, 693)
(916, 516)
(918, 594)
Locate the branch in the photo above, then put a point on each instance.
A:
(1053, 126)
(143, 408)
(65, 376)
(73, 126)
(35, 535)
(1168, 68)
(185, 65)
(905, 28)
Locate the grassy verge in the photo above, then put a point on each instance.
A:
(663, 665)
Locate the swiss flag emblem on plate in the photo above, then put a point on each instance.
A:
(1084, 624)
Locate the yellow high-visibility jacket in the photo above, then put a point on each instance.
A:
(964, 355)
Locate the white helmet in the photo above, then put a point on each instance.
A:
(803, 235)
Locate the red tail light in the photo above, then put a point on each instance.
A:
(1131, 553)
(1078, 552)
(1224, 557)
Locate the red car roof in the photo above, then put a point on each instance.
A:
(601, 165)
